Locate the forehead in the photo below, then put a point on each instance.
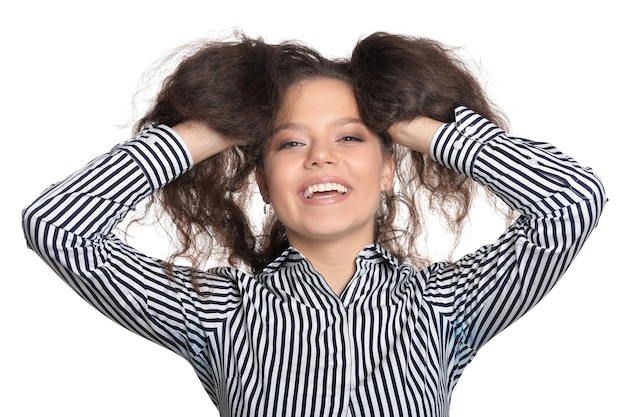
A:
(317, 95)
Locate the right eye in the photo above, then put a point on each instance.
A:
(289, 144)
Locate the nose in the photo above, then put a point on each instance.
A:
(320, 153)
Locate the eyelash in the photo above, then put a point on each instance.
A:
(288, 144)
(351, 139)
(294, 143)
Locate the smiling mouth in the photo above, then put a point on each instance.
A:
(325, 190)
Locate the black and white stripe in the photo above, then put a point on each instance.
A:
(281, 343)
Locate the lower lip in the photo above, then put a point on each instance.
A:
(322, 201)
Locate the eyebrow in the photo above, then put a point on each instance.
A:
(301, 126)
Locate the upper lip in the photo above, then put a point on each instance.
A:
(314, 184)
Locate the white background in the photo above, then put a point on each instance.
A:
(68, 72)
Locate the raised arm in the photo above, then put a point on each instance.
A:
(559, 203)
(71, 227)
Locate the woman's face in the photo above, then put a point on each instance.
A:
(324, 169)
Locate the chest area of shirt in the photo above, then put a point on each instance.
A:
(283, 352)
(359, 338)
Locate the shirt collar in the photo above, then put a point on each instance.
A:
(373, 253)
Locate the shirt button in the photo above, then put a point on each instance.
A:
(471, 129)
(533, 162)
(151, 140)
(457, 145)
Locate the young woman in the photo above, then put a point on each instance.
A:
(330, 310)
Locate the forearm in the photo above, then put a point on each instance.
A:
(92, 200)
(533, 178)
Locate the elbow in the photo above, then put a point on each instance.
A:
(592, 201)
(32, 222)
(29, 221)
(597, 199)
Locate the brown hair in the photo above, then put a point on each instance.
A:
(397, 78)
(237, 88)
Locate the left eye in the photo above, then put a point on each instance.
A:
(351, 139)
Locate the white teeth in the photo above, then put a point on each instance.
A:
(320, 188)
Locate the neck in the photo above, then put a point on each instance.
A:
(335, 260)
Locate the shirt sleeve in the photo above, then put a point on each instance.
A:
(559, 204)
(70, 226)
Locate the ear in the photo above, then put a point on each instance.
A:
(259, 175)
(387, 174)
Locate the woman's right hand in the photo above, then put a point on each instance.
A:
(202, 140)
(415, 134)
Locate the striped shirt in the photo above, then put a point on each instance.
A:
(281, 343)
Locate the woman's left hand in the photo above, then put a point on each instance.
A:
(416, 134)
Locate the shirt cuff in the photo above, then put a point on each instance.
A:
(457, 144)
(160, 153)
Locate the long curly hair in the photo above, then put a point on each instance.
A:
(237, 88)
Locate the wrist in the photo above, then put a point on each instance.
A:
(200, 139)
(416, 134)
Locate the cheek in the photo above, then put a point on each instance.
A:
(373, 171)
(278, 176)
